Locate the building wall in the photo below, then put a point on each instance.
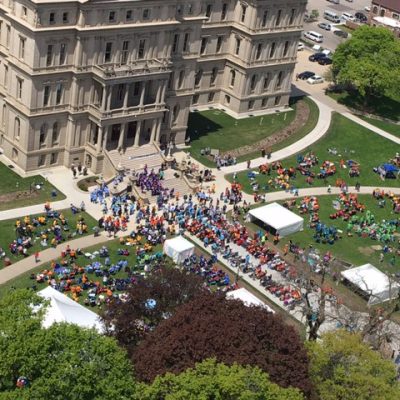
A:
(79, 79)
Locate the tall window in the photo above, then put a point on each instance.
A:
(8, 36)
(124, 52)
(253, 82)
(211, 97)
(219, 43)
(63, 53)
(43, 135)
(22, 42)
(181, 79)
(278, 18)
(232, 78)
(279, 80)
(258, 51)
(53, 158)
(146, 13)
(59, 93)
(186, 42)
(65, 18)
(208, 10)
(142, 44)
(107, 53)
(4, 115)
(286, 48)
(237, 46)
(175, 43)
(272, 50)
(292, 16)
(128, 15)
(266, 82)
(243, 14)
(175, 113)
(55, 135)
(5, 76)
(277, 100)
(49, 55)
(223, 12)
(52, 18)
(120, 91)
(19, 88)
(46, 96)
(203, 45)
(198, 76)
(264, 19)
(214, 74)
(17, 128)
(111, 16)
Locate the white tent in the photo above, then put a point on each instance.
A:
(282, 220)
(178, 249)
(372, 282)
(247, 298)
(64, 309)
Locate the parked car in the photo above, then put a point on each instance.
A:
(315, 79)
(325, 61)
(324, 25)
(316, 56)
(300, 47)
(305, 75)
(361, 17)
(341, 33)
(347, 17)
(367, 8)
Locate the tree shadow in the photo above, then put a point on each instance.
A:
(199, 125)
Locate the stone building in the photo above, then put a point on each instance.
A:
(86, 80)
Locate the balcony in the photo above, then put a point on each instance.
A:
(126, 112)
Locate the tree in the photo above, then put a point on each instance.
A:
(343, 367)
(212, 326)
(148, 303)
(61, 362)
(369, 62)
(210, 380)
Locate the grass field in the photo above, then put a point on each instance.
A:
(8, 232)
(11, 183)
(352, 141)
(217, 130)
(392, 128)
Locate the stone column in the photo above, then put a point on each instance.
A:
(158, 130)
(104, 98)
(109, 95)
(164, 90)
(137, 134)
(106, 135)
(158, 96)
(74, 93)
(122, 133)
(142, 93)
(126, 95)
(78, 52)
(99, 140)
(153, 131)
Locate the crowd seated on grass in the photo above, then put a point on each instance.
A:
(225, 160)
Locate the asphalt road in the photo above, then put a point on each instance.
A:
(331, 41)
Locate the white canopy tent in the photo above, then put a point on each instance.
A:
(282, 220)
(247, 298)
(64, 309)
(372, 282)
(178, 249)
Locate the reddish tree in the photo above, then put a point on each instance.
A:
(212, 326)
(148, 302)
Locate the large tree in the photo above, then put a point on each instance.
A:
(150, 301)
(343, 367)
(61, 362)
(369, 62)
(212, 326)
(210, 380)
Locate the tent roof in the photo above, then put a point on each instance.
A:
(247, 298)
(64, 309)
(369, 279)
(179, 244)
(276, 216)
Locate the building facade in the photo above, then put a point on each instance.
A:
(81, 78)
(386, 13)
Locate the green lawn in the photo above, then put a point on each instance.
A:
(8, 232)
(352, 141)
(11, 183)
(392, 128)
(217, 130)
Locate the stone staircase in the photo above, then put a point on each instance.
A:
(136, 158)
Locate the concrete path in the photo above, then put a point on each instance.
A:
(47, 255)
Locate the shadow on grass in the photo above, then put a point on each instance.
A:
(199, 125)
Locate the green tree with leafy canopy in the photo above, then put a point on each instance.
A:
(62, 362)
(210, 380)
(369, 62)
(343, 367)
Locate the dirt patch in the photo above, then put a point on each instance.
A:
(366, 250)
(301, 118)
(21, 195)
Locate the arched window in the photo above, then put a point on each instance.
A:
(375, 10)
(43, 135)
(17, 128)
(197, 78)
(232, 78)
(55, 135)
(382, 13)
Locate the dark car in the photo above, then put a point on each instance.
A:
(325, 61)
(316, 56)
(361, 17)
(305, 75)
(341, 33)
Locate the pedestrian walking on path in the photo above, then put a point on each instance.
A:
(37, 256)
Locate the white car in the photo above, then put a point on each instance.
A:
(300, 47)
(348, 17)
(315, 79)
(367, 8)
